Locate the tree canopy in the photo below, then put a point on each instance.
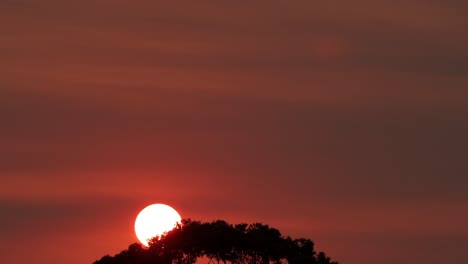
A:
(221, 242)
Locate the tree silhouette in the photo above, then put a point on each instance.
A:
(221, 242)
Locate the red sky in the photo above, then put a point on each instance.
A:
(341, 121)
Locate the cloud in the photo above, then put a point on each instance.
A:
(391, 154)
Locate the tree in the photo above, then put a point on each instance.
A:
(221, 242)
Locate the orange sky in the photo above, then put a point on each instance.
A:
(341, 121)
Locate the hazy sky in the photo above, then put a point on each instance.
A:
(342, 121)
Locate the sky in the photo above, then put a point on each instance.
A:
(341, 121)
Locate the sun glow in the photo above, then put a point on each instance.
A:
(155, 220)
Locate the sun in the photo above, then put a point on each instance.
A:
(155, 220)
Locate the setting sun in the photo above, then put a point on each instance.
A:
(155, 220)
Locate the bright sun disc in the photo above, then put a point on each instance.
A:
(155, 220)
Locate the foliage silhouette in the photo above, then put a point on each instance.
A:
(221, 242)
